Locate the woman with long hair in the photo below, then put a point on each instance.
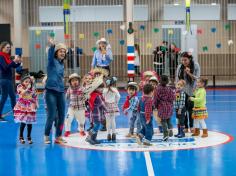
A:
(189, 71)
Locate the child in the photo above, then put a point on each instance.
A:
(199, 109)
(154, 82)
(180, 108)
(145, 78)
(130, 108)
(97, 72)
(76, 105)
(25, 108)
(112, 97)
(97, 108)
(145, 107)
(165, 98)
(87, 80)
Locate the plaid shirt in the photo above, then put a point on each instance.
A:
(179, 100)
(147, 108)
(98, 112)
(76, 98)
(133, 104)
(165, 98)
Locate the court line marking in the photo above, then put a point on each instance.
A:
(149, 164)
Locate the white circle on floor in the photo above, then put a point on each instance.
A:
(123, 143)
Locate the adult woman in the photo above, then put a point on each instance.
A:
(103, 55)
(188, 70)
(6, 77)
(55, 97)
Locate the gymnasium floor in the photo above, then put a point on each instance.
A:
(41, 160)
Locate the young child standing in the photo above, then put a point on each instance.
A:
(130, 108)
(199, 110)
(154, 82)
(180, 108)
(25, 108)
(112, 97)
(145, 107)
(97, 109)
(87, 80)
(76, 108)
(165, 98)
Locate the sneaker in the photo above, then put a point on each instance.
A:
(30, 140)
(22, 141)
(67, 133)
(109, 137)
(60, 140)
(47, 140)
(129, 135)
(82, 133)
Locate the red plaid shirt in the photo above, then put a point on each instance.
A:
(148, 101)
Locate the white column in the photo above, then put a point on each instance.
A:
(129, 18)
(130, 40)
(74, 36)
(17, 42)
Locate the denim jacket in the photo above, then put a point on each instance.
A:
(55, 72)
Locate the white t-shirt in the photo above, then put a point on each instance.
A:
(111, 96)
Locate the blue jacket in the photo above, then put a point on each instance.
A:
(55, 72)
(6, 70)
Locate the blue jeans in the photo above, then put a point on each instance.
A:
(147, 129)
(96, 126)
(7, 89)
(134, 117)
(56, 111)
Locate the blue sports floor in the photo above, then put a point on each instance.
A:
(55, 160)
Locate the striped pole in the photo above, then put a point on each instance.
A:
(66, 13)
(130, 61)
(187, 4)
(130, 41)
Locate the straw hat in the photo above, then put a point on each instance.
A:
(98, 81)
(101, 71)
(149, 73)
(74, 75)
(133, 84)
(102, 40)
(153, 78)
(60, 46)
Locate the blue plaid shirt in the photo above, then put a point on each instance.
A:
(180, 100)
(133, 104)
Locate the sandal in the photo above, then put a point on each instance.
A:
(30, 140)
(22, 141)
